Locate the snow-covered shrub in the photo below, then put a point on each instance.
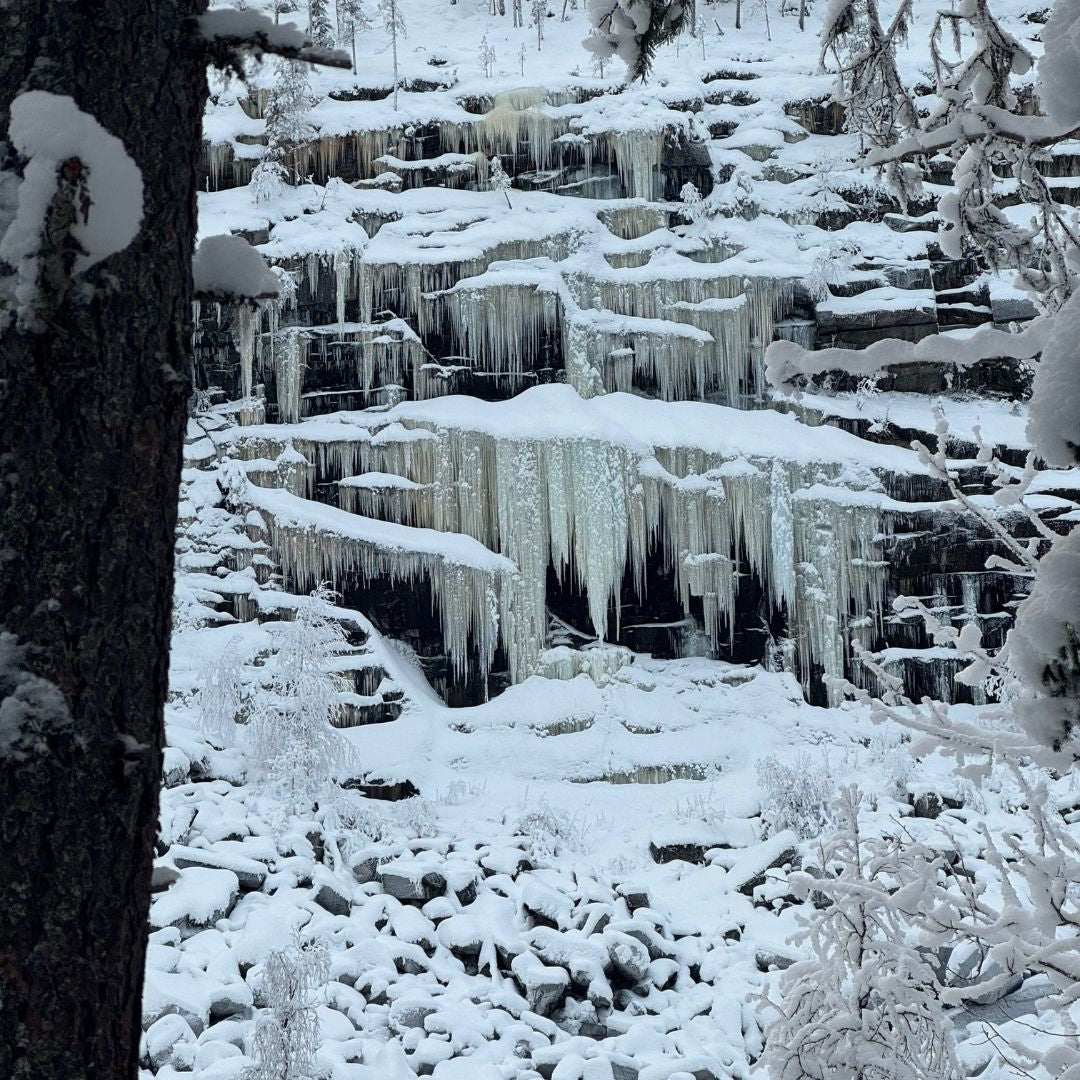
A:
(415, 817)
(547, 830)
(288, 1035)
(268, 181)
(800, 796)
(865, 1003)
(893, 760)
(700, 807)
(461, 791)
(693, 208)
(498, 179)
(831, 264)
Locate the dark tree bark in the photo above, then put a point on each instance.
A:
(93, 413)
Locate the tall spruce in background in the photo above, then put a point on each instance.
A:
(322, 33)
(393, 22)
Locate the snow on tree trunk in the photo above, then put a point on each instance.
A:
(94, 411)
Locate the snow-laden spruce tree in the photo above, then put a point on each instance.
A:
(288, 1035)
(296, 752)
(633, 30)
(862, 53)
(319, 27)
(393, 22)
(287, 130)
(865, 1004)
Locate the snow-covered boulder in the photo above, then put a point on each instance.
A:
(201, 897)
(544, 986)
(249, 872)
(163, 1035)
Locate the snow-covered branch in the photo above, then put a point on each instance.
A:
(230, 35)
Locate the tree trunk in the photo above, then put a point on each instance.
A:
(90, 445)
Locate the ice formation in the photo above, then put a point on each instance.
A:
(548, 480)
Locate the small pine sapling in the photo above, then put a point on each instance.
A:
(287, 130)
(522, 53)
(498, 179)
(486, 57)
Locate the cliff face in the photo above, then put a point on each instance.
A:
(483, 235)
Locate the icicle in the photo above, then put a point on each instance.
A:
(289, 372)
(638, 155)
(342, 273)
(244, 335)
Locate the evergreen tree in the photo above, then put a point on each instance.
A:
(322, 33)
(287, 129)
(538, 13)
(486, 57)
